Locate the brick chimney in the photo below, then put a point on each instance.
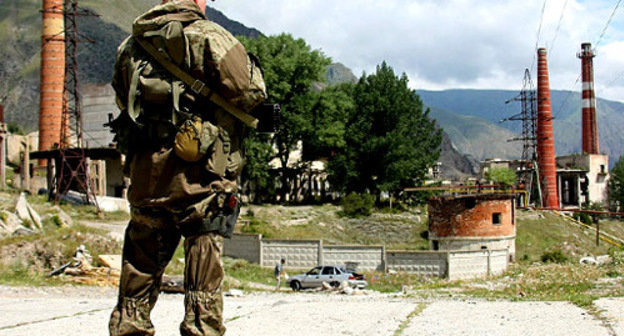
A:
(52, 74)
(545, 137)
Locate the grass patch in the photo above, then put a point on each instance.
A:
(400, 231)
(579, 284)
(26, 260)
(390, 283)
(245, 271)
(421, 306)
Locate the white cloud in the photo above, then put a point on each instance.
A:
(451, 43)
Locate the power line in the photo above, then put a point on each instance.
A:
(552, 43)
(604, 30)
(539, 32)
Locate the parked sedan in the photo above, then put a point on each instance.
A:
(332, 275)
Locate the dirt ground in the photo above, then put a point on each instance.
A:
(73, 311)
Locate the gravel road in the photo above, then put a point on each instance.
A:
(73, 311)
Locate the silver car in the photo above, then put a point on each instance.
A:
(332, 275)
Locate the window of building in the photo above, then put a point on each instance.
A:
(602, 169)
(436, 245)
(496, 218)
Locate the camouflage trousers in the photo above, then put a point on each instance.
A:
(147, 251)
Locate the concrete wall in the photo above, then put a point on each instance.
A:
(474, 264)
(298, 254)
(368, 258)
(305, 254)
(476, 244)
(425, 263)
(243, 246)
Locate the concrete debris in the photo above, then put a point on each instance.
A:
(234, 293)
(11, 220)
(81, 271)
(588, 261)
(26, 213)
(603, 259)
(112, 261)
(600, 260)
(105, 203)
(348, 291)
(326, 286)
(23, 231)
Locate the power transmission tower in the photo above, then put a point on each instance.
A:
(72, 170)
(528, 116)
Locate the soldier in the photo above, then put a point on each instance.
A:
(179, 79)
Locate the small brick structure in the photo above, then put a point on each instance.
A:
(472, 222)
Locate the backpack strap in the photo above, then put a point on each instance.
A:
(198, 87)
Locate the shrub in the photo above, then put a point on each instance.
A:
(555, 256)
(356, 205)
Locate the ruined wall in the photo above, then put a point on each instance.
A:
(472, 223)
(471, 216)
(597, 167)
(97, 102)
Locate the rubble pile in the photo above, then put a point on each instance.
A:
(81, 270)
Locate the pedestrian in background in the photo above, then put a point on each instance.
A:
(279, 271)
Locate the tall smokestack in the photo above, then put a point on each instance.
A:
(52, 74)
(545, 138)
(590, 126)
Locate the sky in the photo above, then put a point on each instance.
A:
(444, 44)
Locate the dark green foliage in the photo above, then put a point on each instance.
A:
(327, 118)
(390, 141)
(290, 68)
(14, 128)
(256, 176)
(616, 186)
(582, 217)
(554, 256)
(356, 205)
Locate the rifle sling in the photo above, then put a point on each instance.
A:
(197, 86)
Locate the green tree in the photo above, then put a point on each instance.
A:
(328, 115)
(616, 186)
(502, 175)
(256, 176)
(390, 140)
(291, 67)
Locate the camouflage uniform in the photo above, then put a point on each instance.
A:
(170, 197)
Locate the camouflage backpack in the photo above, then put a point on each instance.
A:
(175, 55)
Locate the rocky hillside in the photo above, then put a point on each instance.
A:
(471, 118)
(20, 30)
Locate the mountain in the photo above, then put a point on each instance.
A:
(455, 165)
(20, 33)
(462, 112)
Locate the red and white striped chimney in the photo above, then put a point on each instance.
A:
(590, 126)
(545, 137)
